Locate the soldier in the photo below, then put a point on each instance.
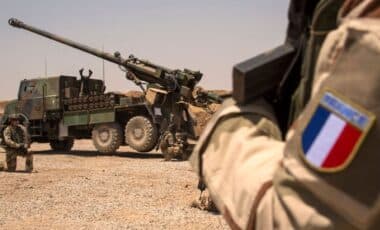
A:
(324, 174)
(84, 83)
(17, 143)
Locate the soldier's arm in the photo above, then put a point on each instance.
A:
(8, 139)
(321, 178)
(240, 164)
(239, 157)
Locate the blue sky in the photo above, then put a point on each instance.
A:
(206, 35)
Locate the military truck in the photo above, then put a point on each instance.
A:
(59, 109)
(168, 94)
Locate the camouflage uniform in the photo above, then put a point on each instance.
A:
(16, 140)
(258, 180)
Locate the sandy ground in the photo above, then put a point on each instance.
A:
(85, 190)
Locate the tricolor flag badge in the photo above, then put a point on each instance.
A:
(334, 133)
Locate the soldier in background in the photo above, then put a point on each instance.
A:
(324, 174)
(17, 144)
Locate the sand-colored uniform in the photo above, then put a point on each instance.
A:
(257, 180)
(17, 141)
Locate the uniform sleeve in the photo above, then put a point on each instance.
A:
(305, 195)
(8, 138)
(239, 161)
(346, 86)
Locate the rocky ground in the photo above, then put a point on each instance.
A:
(85, 190)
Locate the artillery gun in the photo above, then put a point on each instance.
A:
(168, 93)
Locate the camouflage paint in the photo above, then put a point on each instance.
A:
(177, 85)
(37, 96)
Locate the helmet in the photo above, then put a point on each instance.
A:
(13, 117)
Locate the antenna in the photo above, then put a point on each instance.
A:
(103, 69)
(45, 66)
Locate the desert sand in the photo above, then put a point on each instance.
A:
(82, 189)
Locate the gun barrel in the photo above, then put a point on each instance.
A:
(19, 24)
(151, 76)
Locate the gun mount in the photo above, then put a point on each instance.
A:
(168, 92)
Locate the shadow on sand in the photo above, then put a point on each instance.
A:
(19, 171)
(84, 153)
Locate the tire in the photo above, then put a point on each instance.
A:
(62, 145)
(141, 134)
(107, 138)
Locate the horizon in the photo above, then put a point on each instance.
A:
(210, 36)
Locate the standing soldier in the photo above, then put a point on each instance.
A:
(311, 163)
(17, 143)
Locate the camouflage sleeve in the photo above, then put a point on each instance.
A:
(309, 184)
(310, 191)
(240, 160)
(241, 142)
(8, 138)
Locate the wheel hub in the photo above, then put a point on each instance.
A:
(104, 135)
(138, 133)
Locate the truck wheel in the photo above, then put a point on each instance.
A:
(107, 138)
(141, 134)
(62, 145)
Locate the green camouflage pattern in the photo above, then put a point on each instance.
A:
(10, 108)
(50, 104)
(168, 91)
(38, 95)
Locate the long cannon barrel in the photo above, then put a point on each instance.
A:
(152, 74)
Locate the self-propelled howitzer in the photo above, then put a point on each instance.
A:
(167, 92)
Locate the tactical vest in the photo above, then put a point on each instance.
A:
(323, 21)
(19, 135)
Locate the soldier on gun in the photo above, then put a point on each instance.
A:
(17, 143)
(311, 163)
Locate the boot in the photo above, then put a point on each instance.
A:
(204, 202)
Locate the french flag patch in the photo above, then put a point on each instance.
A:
(334, 133)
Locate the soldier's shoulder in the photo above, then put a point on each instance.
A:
(7, 129)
